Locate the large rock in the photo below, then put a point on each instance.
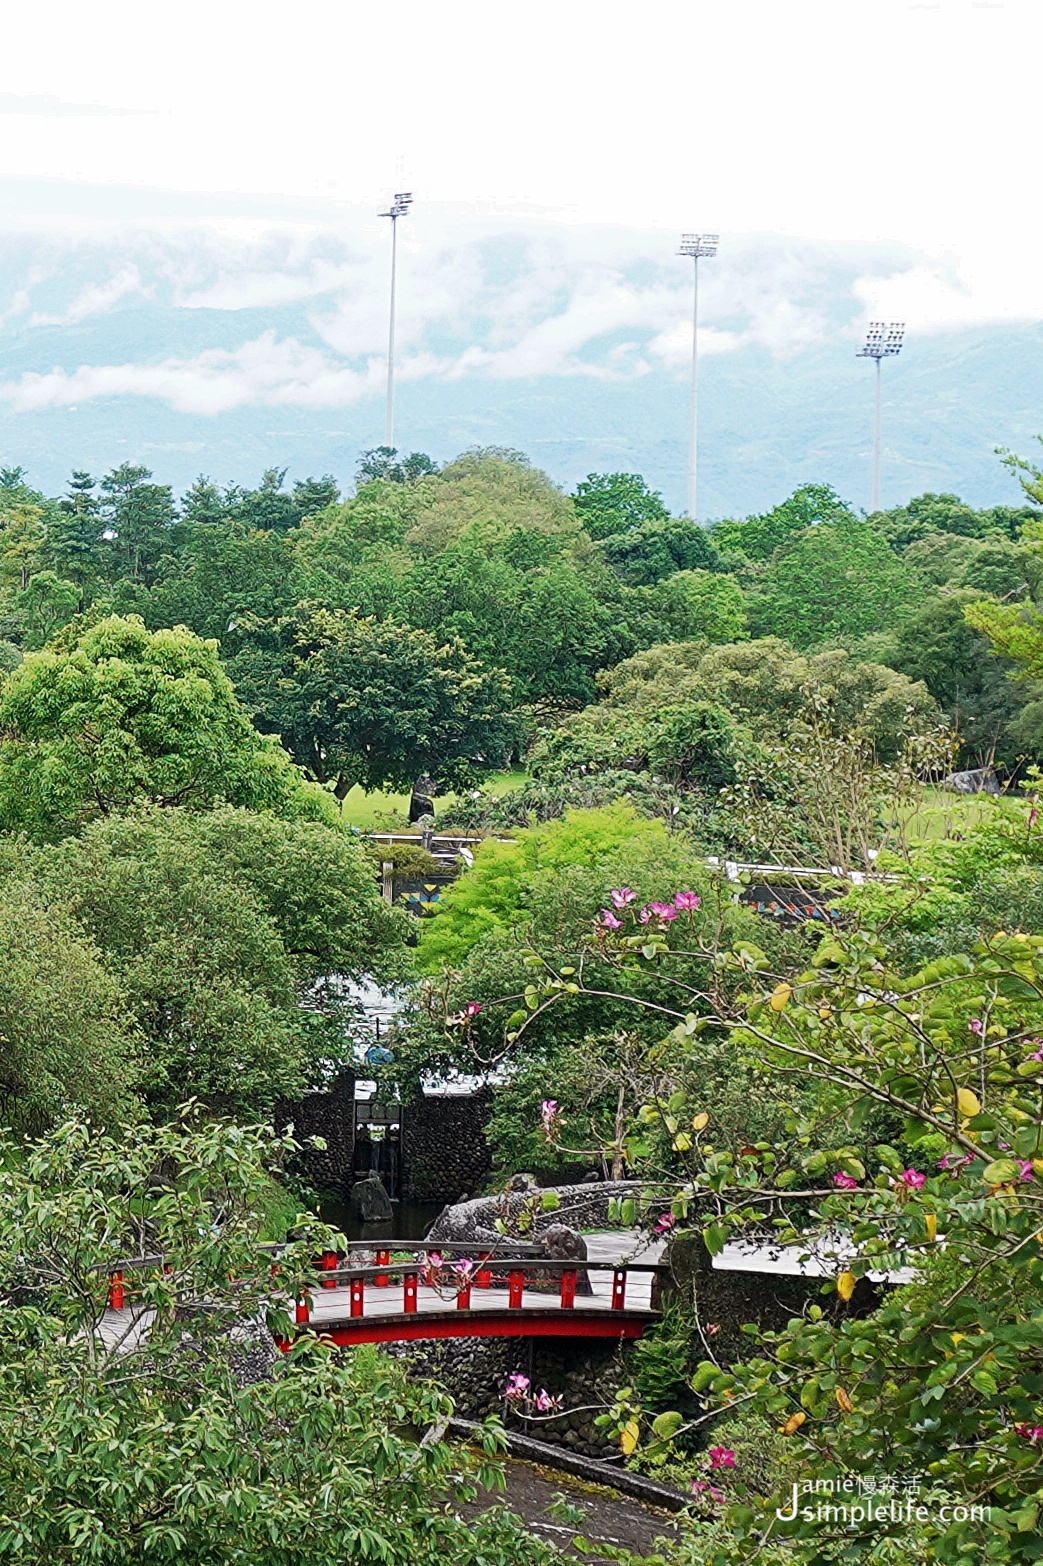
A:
(979, 780)
(559, 1243)
(369, 1201)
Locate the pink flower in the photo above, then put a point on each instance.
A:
(463, 1268)
(544, 1401)
(1037, 1053)
(721, 1457)
(976, 1025)
(665, 1222)
(472, 1009)
(609, 920)
(701, 1487)
(517, 1386)
(622, 896)
(1030, 1432)
(686, 901)
(548, 1115)
(1025, 1169)
(1033, 817)
(913, 1179)
(845, 1182)
(664, 912)
(644, 915)
(710, 1328)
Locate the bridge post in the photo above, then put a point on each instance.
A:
(329, 1264)
(116, 1294)
(619, 1289)
(358, 1296)
(302, 1310)
(483, 1277)
(383, 1260)
(515, 1286)
(568, 1289)
(409, 1293)
(463, 1296)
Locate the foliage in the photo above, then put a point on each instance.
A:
(111, 715)
(359, 700)
(194, 1442)
(65, 1043)
(384, 462)
(833, 580)
(757, 538)
(613, 503)
(229, 937)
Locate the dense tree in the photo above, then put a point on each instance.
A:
(65, 1043)
(614, 503)
(113, 715)
(231, 937)
(358, 700)
(384, 462)
(645, 555)
(757, 538)
(836, 579)
(197, 1443)
(137, 517)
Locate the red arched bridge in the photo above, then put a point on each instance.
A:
(384, 1291)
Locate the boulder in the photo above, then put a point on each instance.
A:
(979, 780)
(559, 1243)
(369, 1202)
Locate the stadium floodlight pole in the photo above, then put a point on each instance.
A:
(400, 205)
(882, 341)
(695, 245)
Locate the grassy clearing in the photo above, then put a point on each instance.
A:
(937, 814)
(374, 812)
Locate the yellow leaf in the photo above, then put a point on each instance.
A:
(931, 1222)
(682, 1142)
(779, 996)
(700, 1121)
(846, 1285)
(823, 1012)
(629, 1437)
(793, 1423)
(969, 1103)
(957, 1337)
(844, 1401)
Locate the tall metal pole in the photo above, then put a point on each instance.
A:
(876, 443)
(400, 206)
(695, 245)
(882, 342)
(693, 433)
(389, 411)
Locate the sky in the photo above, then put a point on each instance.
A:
(189, 230)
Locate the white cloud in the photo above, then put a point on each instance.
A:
(98, 299)
(264, 371)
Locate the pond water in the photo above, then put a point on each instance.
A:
(409, 1220)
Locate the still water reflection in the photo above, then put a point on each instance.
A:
(409, 1220)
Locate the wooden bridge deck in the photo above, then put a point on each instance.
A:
(401, 1299)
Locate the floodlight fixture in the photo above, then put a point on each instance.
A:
(883, 341)
(696, 246)
(400, 205)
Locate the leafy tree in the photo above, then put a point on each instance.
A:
(614, 503)
(197, 1443)
(113, 714)
(43, 606)
(757, 538)
(384, 462)
(694, 605)
(485, 495)
(74, 534)
(224, 575)
(364, 701)
(65, 1044)
(232, 937)
(644, 555)
(834, 580)
(137, 517)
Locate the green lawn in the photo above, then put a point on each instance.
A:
(937, 814)
(371, 812)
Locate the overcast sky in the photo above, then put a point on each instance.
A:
(189, 195)
(911, 122)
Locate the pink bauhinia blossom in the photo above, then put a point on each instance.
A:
(517, 1385)
(609, 920)
(686, 901)
(913, 1179)
(845, 1182)
(548, 1115)
(663, 911)
(721, 1457)
(621, 896)
(1025, 1169)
